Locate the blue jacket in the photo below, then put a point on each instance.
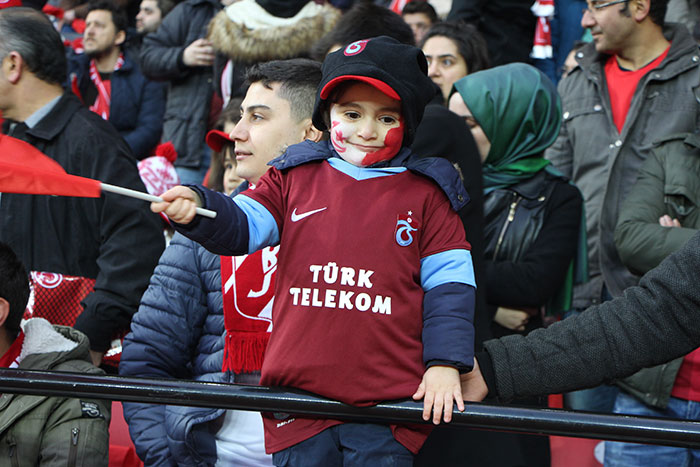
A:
(178, 332)
(137, 104)
(443, 302)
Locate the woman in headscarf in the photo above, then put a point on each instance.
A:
(532, 213)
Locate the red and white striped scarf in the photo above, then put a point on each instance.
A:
(248, 286)
(104, 89)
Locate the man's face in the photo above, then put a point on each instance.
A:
(419, 23)
(611, 26)
(265, 130)
(366, 125)
(100, 34)
(149, 17)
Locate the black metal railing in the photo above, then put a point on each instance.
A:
(233, 396)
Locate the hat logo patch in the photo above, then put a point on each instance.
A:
(355, 48)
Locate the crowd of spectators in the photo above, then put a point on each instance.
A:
(581, 172)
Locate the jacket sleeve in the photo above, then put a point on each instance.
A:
(130, 241)
(650, 324)
(561, 153)
(161, 51)
(164, 334)
(534, 279)
(149, 124)
(641, 241)
(69, 429)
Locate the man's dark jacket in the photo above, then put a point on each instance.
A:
(113, 239)
(190, 89)
(137, 103)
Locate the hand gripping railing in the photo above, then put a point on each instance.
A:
(234, 396)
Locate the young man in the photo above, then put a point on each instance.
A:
(43, 430)
(178, 331)
(380, 305)
(151, 14)
(108, 80)
(112, 242)
(420, 16)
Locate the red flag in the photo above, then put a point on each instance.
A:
(25, 169)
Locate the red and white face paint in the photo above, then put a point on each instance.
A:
(366, 125)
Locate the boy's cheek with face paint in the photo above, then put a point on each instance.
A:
(343, 133)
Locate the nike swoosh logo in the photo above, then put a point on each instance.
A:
(297, 217)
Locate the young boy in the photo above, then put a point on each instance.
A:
(375, 282)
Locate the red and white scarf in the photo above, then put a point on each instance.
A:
(248, 286)
(104, 89)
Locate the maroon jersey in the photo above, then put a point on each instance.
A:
(348, 300)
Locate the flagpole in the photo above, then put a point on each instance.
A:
(146, 197)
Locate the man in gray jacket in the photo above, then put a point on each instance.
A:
(636, 83)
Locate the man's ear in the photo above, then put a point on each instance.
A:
(4, 311)
(640, 9)
(12, 67)
(312, 133)
(120, 38)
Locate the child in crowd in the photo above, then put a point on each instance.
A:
(222, 169)
(375, 288)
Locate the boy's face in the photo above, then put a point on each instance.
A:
(366, 125)
(265, 130)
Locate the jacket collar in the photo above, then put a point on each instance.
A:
(682, 45)
(56, 120)
(436, 168)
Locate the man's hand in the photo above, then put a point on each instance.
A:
(199, 53)
(179, 204)
(666, 221)
(514, 320)
(440, 386)
(474, 387)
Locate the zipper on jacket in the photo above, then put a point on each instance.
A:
(73, 454)
(14, 458)
(509, 220)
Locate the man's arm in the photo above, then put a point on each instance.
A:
(128, 236)
(149, 125)
(652, 323)
(162, 50)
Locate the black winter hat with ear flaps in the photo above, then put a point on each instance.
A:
(398, 70)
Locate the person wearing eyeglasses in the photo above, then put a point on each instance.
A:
(635, 83)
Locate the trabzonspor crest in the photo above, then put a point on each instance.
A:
(355, 48)
(405, 226)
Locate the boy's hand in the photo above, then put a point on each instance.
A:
(179, 204)
(440, 387)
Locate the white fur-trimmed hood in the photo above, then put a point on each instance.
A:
(246, 32)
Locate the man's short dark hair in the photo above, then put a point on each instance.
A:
(14, 287)
(165, 6)
(363, 21)
(118, 15)
(298, 77)
(421, 7)
(30, 33)
(470, 43)
(657, 11)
